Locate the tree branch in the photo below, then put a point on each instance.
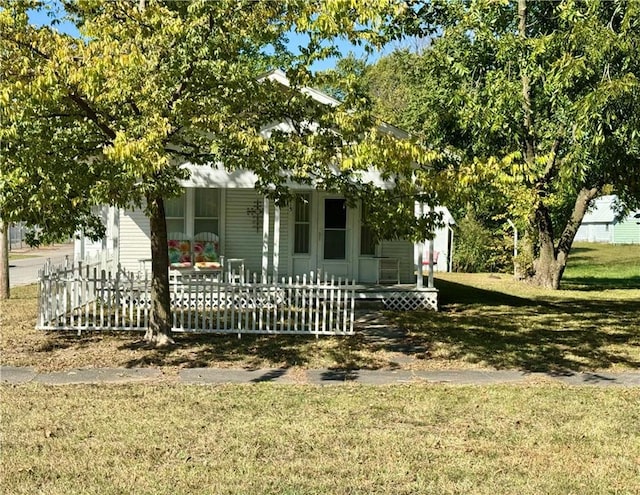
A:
(577, 214)
(73, 96)
(526, 89)
(550, 166)
(92, 114)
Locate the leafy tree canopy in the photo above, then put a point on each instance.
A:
(536, 105)
(112, 116)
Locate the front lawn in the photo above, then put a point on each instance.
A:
(486, 321)
(269, 439)
(594, 266)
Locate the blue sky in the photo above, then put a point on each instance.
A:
(40, 18)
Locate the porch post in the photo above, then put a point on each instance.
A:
(276, 241)
(419, 282)
(265, 239)
(431, 246)
(431, 243)
(418, 208)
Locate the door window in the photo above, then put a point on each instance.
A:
(335, 229)
(302, 228)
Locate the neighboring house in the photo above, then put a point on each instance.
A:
(601, 225)
(317, 232)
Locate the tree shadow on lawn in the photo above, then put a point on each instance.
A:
(507, 332)
(255, 352)
(482, 328)
(599, 283)
(204, 350)
(475, 327)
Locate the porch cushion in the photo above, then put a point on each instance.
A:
(206, 254)
(179, 253)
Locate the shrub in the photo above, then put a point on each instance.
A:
(478, 249)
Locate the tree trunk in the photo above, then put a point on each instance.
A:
(551, 262)
(547, 272)
(4, 261)
(159, 331)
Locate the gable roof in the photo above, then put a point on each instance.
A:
(279, 76)
(603, 211)
(218, 176)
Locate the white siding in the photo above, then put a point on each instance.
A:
(135, 244)
(595, 232)
(402, 250)
(243, 240)
(85, 248)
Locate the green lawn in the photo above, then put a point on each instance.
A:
(165, 438)
(269, 439)
(492, 321)
(594, 266)
(486, 321)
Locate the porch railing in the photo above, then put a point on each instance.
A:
(88, 297)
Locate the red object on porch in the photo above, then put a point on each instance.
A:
(425, 261)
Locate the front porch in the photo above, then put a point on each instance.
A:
(98, 295)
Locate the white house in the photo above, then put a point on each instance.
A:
(318, 232)
(600, 224)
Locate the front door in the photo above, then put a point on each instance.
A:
(335, 238)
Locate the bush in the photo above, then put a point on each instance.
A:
(478, 249)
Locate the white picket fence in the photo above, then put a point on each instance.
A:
(97, 296)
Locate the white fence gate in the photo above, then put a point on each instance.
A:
(96, 296)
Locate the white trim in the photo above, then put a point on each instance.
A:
(276, 241)
(222, 222)
(116, 234)
(189, 210)
(431, 243)
(419, 211)
(217, 177)
(265, 239)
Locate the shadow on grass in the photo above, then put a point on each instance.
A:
(555, 335)
(257, 351)
(600, 283)
(250, 351)
(475, 327)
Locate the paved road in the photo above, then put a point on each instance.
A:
(25, 271)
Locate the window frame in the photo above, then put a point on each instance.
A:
(305, 224)
(167, 206)
(210, 190)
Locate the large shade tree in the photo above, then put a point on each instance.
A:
(112, 115)
(537, 105)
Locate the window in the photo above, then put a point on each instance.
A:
(174, 212)
(367, 239)
(206, 211)
(302, 227)
(200, 206)
(335, 229)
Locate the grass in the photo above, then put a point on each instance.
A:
(16, 256)
(165, 438)
(594, 266)
(486, 321)
(269, 439)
